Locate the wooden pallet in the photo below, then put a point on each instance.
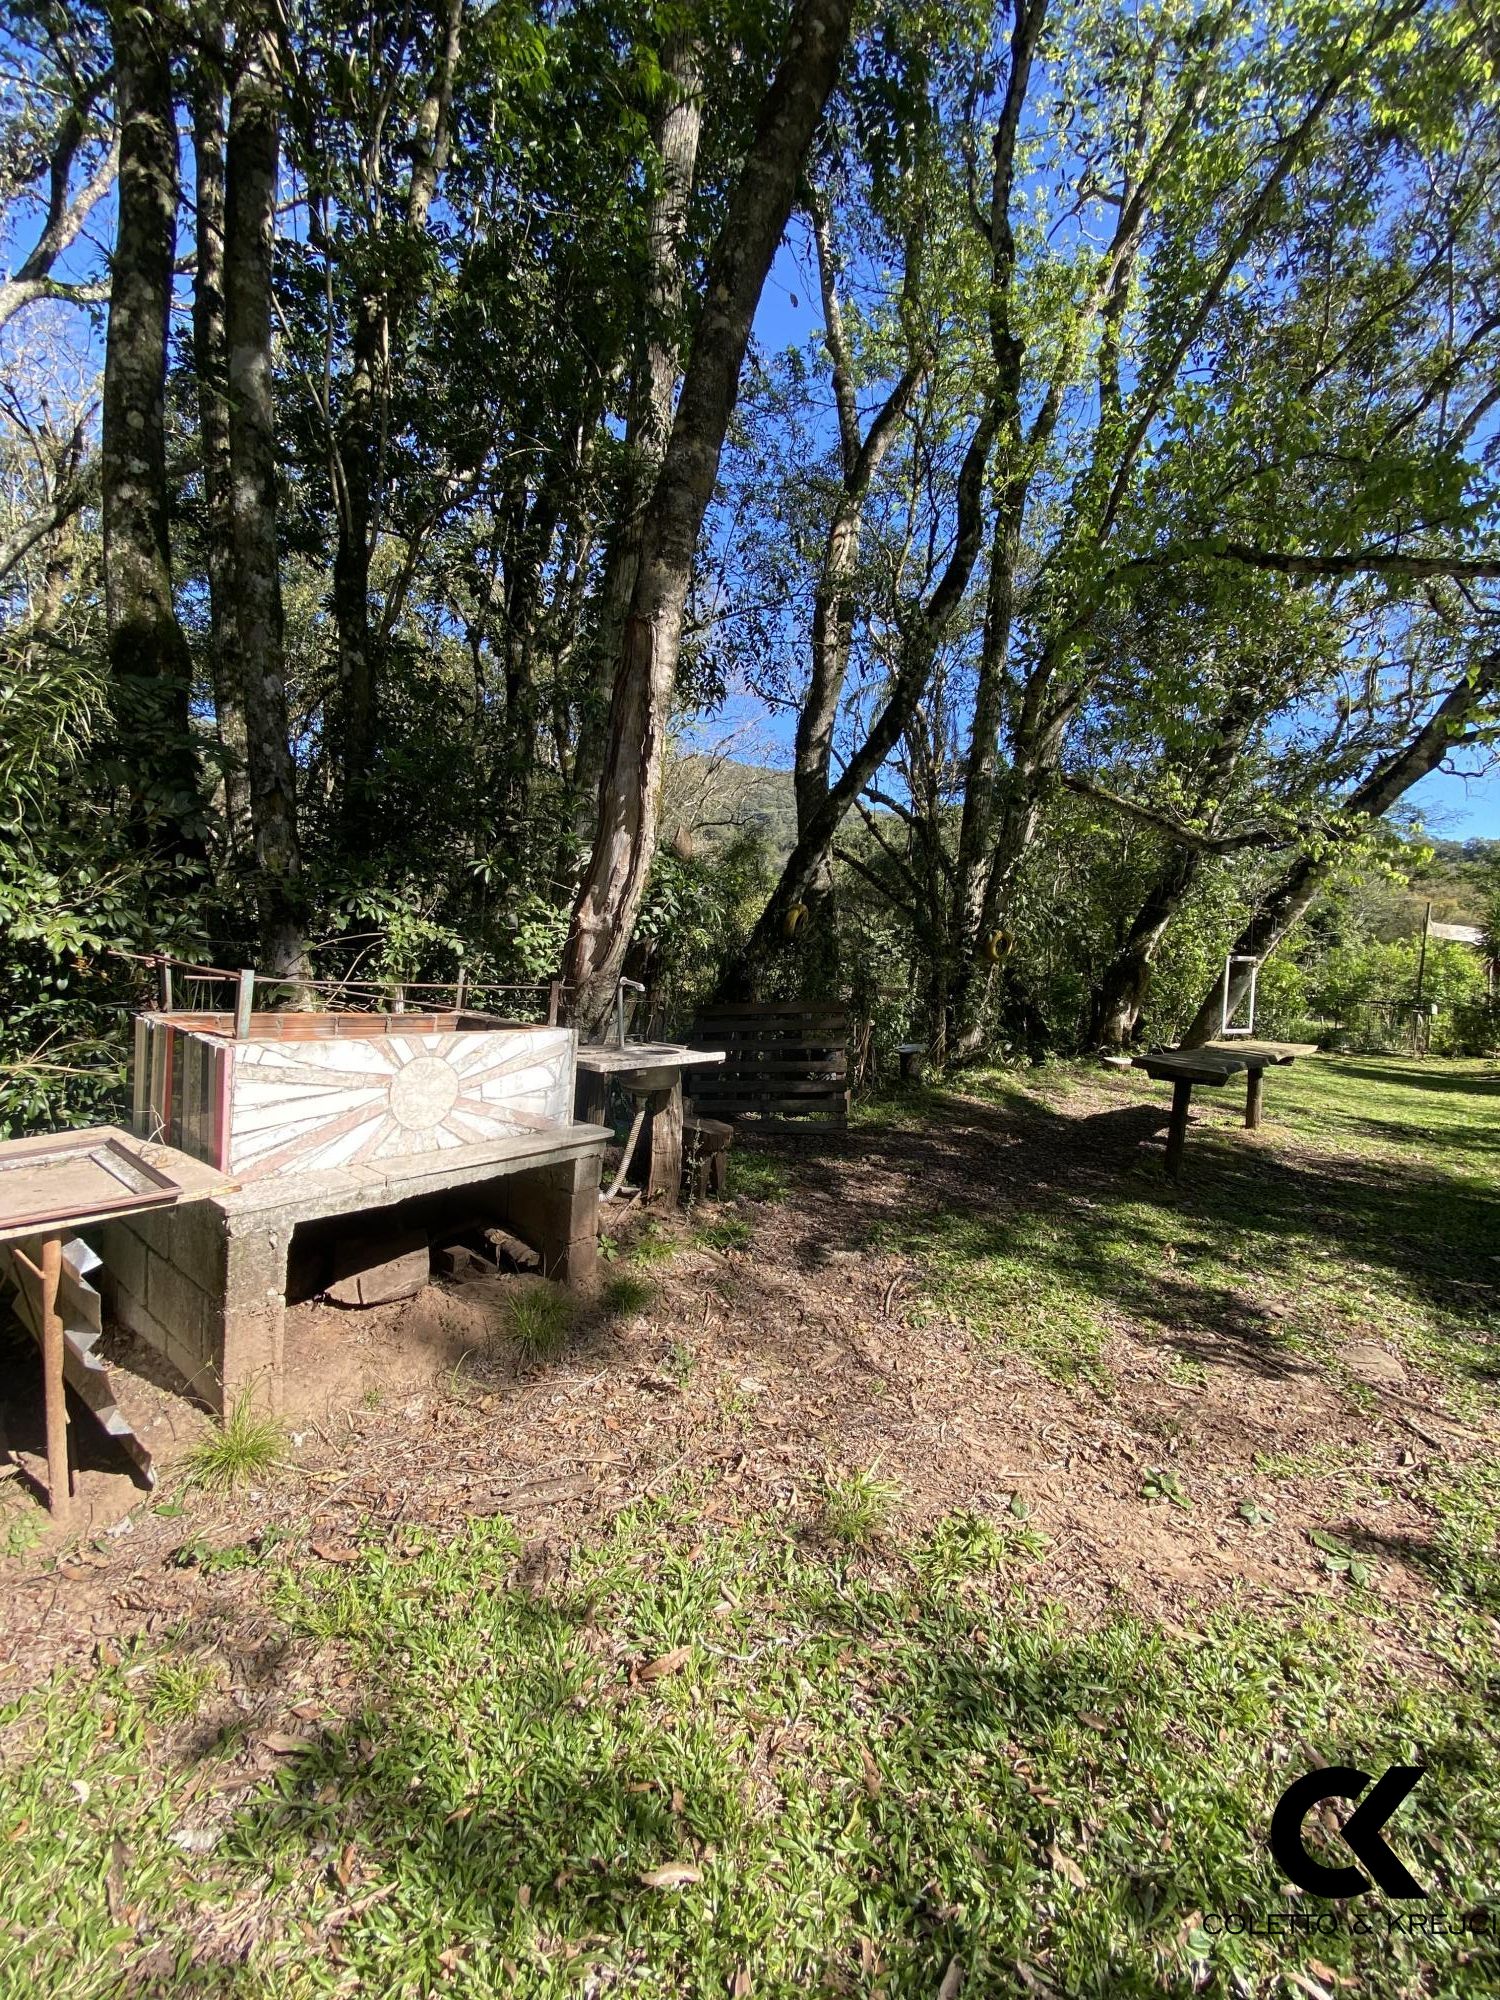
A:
(786, 1066)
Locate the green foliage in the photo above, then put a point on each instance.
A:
(1296, 339)
(1163, 1482)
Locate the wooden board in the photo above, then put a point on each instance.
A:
(786, 1065)
(371, 1274)
(46, 1183)
(615, 1059)
(1189, 1067)
(155, 1177)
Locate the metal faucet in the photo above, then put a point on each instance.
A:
(636, 986)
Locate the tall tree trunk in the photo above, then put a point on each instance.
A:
(1292, 896)
(250, 234)
(1122, 991)
(630, 791)
(913, 672)
(675, 136)
(430, 140)
(533, 528)
(59, 547)
(1037, 733)
(818, 824)
(1127, 978)
(381, 311)
(151, 669)
(833, 600)
(211, 367)
(807, 879)
(353, 469)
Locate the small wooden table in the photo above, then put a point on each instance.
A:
(651, 1074)
(52, 1187)
(1215, 1065)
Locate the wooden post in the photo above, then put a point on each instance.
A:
(1422, 956)
(554, 1002)
(659, 1155)
(164, 976)
(458, 991)
(59, 1485)
(1182, 1097)
(1254, 1079)
(244, 1006)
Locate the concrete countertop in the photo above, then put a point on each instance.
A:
(610, 1059)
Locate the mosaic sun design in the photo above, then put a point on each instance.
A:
(318, 1105)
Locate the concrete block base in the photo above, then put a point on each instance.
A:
(205, 1285)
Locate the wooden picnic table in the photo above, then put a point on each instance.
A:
(1214, 1065)
(650, 1073)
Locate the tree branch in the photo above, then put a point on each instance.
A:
(77, 493)
(33, 280)
(1174, 830)
(902, 903)
(1375, 562)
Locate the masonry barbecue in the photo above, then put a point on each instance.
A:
(338, 1129)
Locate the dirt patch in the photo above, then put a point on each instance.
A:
(149, 1393)
(340, 1357)
(798, 1352)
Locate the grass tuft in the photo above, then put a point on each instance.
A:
(967, 1544)
(538, 1321)
(176, 1689)
(627, 1293)
(856, 1507)
(653, 1246)
(725, 1232)
(247, 1445)
(758, 1177)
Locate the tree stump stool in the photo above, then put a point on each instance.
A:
(705, 1151)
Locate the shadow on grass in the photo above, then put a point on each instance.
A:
(491, 1810)
(1045, 1213)
(1468, 1081)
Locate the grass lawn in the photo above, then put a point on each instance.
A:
(814, 1738)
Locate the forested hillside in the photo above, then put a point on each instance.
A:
(404, 459)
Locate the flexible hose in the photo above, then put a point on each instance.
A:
(635, 1132)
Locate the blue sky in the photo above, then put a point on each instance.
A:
(1456, 808)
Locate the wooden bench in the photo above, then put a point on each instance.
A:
(1182, 1068)
(705, 1148)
